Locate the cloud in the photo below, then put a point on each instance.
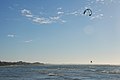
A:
(59, 8)
(11, 35)
(60, 12)
(41, 20)
(74, 13)
(28, 41)
(63, 21)
(26, 13)
(99, 0)
(55, 18)
(99, 16)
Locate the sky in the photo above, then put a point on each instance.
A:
(57, 31)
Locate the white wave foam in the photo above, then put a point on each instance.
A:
(114, 71)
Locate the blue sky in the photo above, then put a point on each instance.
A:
(57, 31)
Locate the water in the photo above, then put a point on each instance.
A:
(60, 72)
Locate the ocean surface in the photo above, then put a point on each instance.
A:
(60, 72)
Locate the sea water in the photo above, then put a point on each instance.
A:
(60, 72)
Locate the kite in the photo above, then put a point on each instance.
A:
(88, 12)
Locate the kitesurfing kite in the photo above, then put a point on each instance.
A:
(91, 61)
(88, 12)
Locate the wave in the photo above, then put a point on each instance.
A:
(114, 71)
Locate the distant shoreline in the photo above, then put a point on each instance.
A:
(19, 63)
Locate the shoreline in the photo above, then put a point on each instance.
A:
(21, 63)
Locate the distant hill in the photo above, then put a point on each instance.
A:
(3, 63)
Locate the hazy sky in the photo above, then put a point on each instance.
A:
(57, 31)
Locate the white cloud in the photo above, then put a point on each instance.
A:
(59, 8)
(99, 16)
(41, 20)
(28, 41)
(59, 13)
(11, 35)
(75, 13)
(55, 18)
(99, 0)
(63, 21)
(26, 13)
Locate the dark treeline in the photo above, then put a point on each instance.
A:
(3, 63)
